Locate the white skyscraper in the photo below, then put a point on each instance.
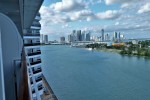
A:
(70, 38)
(45, 39)
(88, 36)
(102, 35)
(41, 38)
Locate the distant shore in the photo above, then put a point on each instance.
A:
(117, 51)
(108, 50)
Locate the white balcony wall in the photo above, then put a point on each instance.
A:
(31, 40)
(36, 27)
(12, 45)
(33, 50)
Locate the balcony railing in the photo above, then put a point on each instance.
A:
(31, 44)
(33, 91)
(34, 53)
(36, 62)
(36, 25)
(40, 87)
(31, 34)
(37, 71)
(38, 79)
(31, 82)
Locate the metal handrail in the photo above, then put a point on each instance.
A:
(33, 78)
(31, 34)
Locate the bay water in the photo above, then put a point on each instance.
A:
(81, 74)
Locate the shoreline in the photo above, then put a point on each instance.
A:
(118, 52)
(108, 50)
(135, 56)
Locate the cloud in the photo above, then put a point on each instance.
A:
(50, 16)
(109, 14)
(117, 23)
(128, 23)
(144, 9)
(92, 2)
(62, 17)
(68, 5)
(88, 15)
(66, 26)
(124, 3)
(85, 14)
(108, 2)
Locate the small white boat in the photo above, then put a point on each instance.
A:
(90, 49)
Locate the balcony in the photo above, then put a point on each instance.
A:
(37, 70)
(34, 53)
(36, 25)
(39, 79)
(37, 18)
(33, 91)
(31, 44)
(40, 87)
(31, 82)
(36, 62)
(32, 47)
(31, 34)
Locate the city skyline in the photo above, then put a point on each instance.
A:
(129, 17)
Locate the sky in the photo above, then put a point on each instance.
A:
(129, 17)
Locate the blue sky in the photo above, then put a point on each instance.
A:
(130, 17)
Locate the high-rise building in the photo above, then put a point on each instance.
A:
(45, 39)
(119, 35)
(74, 36)
(83, 36)
(70, 38)
(94, 38)
(79, 35)
(106, 37)
(115, 35)
(41, 38)
(74, 31)
(88, 36)
(102, 35)
(62, 39)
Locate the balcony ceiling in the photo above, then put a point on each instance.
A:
(22, 12)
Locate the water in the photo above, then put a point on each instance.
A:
(80, 74)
